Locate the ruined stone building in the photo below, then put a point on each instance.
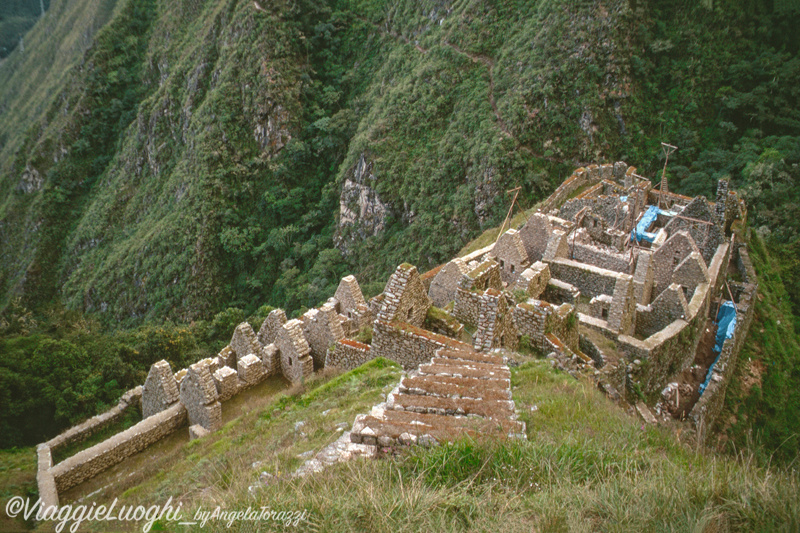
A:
(610, 277)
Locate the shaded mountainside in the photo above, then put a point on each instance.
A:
(189, 156)
(16, 18)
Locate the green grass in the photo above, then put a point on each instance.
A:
(17, 478)
(221, 464)
(763, 399)
(586, 466)
(490, 235)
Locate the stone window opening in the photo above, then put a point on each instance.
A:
(512, 269)
(604, 313)
(290, 361)
(502, 264)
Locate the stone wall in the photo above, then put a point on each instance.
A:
(348, 354)
(705, 412)
(622, 312)
(602, 258)
(467, 307)
(535, 234)
(655, 359)
(244, 341)
(538, 319)
(559, 292)
(668, 256)
(581, 177)
(406, 344)
(132, 399)
(530, 321)
(443, 286)
(160, 389)
(510, 253)
(643, 277)
(44, 477)
(670, 305)
(495, 323)
(563, 323)
(271, 326)
(405, 297)
(485, 276)
(90, 462)
(590, 280)
(322, 328)
(296, 361)
(533, 280)
(199, 396)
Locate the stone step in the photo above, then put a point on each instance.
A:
(369, 429)
(488, 367)
(487, 389)
(470, 355)
(464, 371)
(494, 409)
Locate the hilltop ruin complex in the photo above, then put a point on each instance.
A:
(610, 277)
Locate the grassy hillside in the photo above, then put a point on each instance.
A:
(762, 400)
(586, 466)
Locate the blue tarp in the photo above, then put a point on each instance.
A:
(645, 222)
(726, 324)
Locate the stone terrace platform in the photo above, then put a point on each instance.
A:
(460, 392)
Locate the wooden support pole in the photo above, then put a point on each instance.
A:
(516, 193)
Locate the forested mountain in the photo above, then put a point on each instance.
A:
(168, 160)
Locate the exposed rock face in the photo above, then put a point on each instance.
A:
(486, 193)
(362, 214)
(30, 181)
(271, 130)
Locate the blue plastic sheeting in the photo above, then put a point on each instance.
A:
(640, 233)
(623, 198)
(726, 324)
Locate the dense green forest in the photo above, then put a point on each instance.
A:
(169, 160)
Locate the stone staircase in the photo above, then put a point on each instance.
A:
(460, 392)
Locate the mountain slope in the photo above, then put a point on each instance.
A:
(202, 155)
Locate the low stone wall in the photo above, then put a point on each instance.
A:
(578, 179)
(707, 409)
(590, 280)
(81, 432)
(538, 319)
(90, 462)
(408, 345)
(595, 256)
(530, 319)
(559, 292)
(44, 477)
(348, 354)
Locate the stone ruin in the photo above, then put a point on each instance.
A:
(610, 277)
